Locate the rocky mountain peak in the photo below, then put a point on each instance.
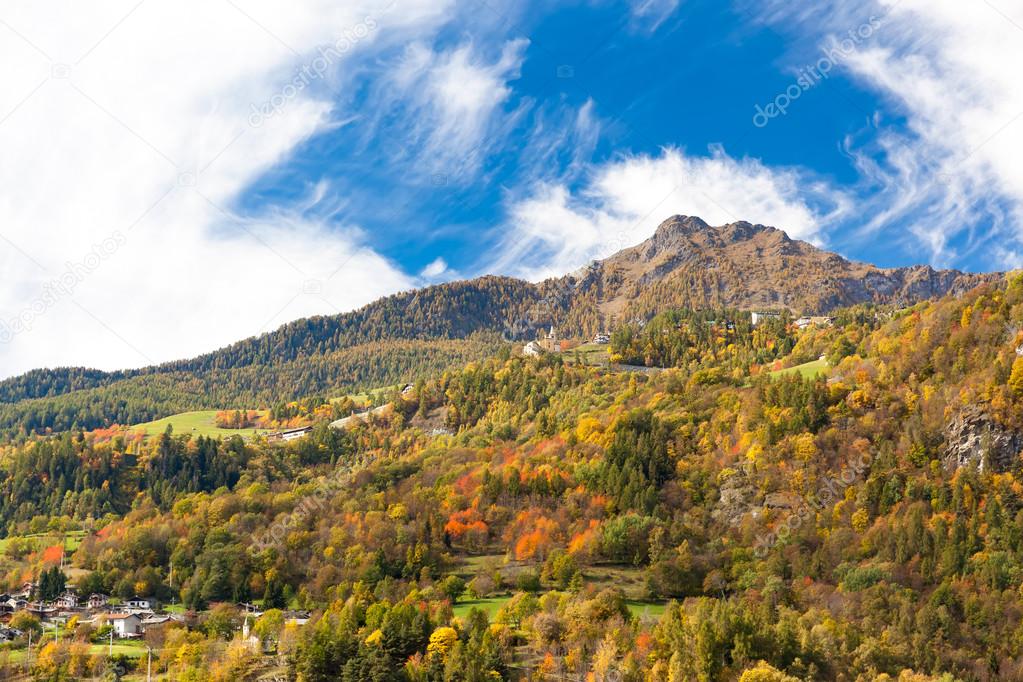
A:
(680, 225)
(690, 263)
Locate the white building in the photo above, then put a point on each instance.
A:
(140, 603)
(97, 601)
(254, 643)
(290, 434)
(16, 604)
(813, 321)
(532, 349)
(758, 317)
(125, 624)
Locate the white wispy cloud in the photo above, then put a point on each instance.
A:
(651, 14)
(130, 122)
(553, 230)
(450, 102)
(434, 270)
(949, 179)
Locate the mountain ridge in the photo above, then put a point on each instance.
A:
(686, 263)
(750, 265)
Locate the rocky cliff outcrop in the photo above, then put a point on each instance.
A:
(973, 438)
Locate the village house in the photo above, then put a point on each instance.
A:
(290, 434)
(41, 610)
(125, 624)
(155, 621)
(756, 317)
(68, 600)
(17, 603)
(139, 604)
(532, 349)
(97, 601)
(813, 321)
(9, 634)
(296, 617)
(602, 339)
(251, 609)
(25, 592)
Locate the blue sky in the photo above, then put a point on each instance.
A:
(686, 77)
(183, 175)
(660, 74)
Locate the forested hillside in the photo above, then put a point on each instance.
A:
(143, 397)
(686, 264)
(721, 519)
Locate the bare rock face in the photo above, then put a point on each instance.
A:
(787, 501)
(737, 499)
(973, 438)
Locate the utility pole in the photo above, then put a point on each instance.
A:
(110, 649)
(149, 664)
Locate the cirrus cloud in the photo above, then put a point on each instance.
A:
(939, 165)
(553, 230)
(132, 118)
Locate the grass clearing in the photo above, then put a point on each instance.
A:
(203, 422)
(478, 563)
(490, 605)
(132, 649)
(39, 541)
(198, 423)
(639, 608)
(630, 579)
(646, 609)
(808, 370)
(593, 354)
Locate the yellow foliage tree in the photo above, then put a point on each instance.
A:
(441, 642)
(1016, 377)
(860, 520)
(763, 672)
(805, 447)
(590, 430)
(52, 660)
